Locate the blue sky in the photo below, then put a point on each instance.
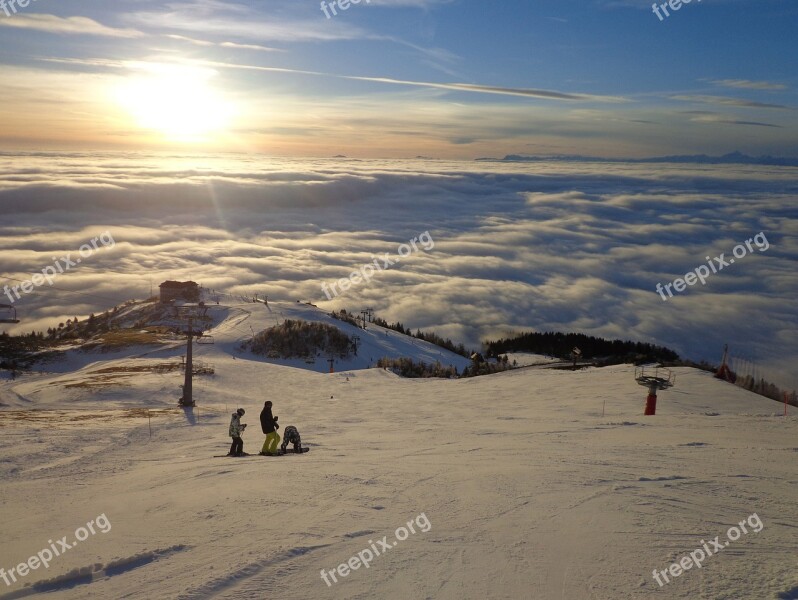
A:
(395, 78)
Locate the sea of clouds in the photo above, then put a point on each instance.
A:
(518, 246)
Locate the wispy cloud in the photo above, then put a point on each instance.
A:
(244, 24)
(508, 91)
(235, 45)
(456, 87)
(68, 26)
(190, 40)
(728, 121)
(745, 84)
(726, 101)
(250, 47)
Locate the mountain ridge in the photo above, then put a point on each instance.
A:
(736, 158)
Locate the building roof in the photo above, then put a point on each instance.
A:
(177, 284)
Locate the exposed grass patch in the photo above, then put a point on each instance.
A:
(123, 338)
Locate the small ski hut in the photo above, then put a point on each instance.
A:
(187, 291)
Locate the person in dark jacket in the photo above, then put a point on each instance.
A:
(269, 425)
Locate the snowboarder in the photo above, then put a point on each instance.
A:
(269, 425)
(291, 436)
(236, 429)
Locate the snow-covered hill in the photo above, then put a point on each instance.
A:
(528, 490)
(110, 373)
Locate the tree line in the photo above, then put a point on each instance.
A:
(561, 345)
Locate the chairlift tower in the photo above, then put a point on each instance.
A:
(655, 379)
(193, 315)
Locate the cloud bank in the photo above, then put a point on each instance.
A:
(568, 246)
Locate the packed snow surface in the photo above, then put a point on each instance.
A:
(534, 483)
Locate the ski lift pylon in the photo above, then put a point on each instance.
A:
(8, 314)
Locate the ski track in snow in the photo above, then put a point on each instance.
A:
(87, 575)
(237, 580)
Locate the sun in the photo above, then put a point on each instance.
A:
(176, 101)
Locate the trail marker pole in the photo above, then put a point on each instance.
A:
(149, 422)
(188, 390)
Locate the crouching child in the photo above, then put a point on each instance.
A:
(291, 436)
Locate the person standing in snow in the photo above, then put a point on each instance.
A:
(236, 429)
(269, 425)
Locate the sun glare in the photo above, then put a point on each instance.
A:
(176, 101)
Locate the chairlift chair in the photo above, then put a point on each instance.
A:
(8, 314)
(205, 339)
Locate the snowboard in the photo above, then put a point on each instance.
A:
(304, 449)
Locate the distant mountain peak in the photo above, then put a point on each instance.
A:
(735, 157)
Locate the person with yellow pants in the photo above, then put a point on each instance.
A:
(269, 425)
